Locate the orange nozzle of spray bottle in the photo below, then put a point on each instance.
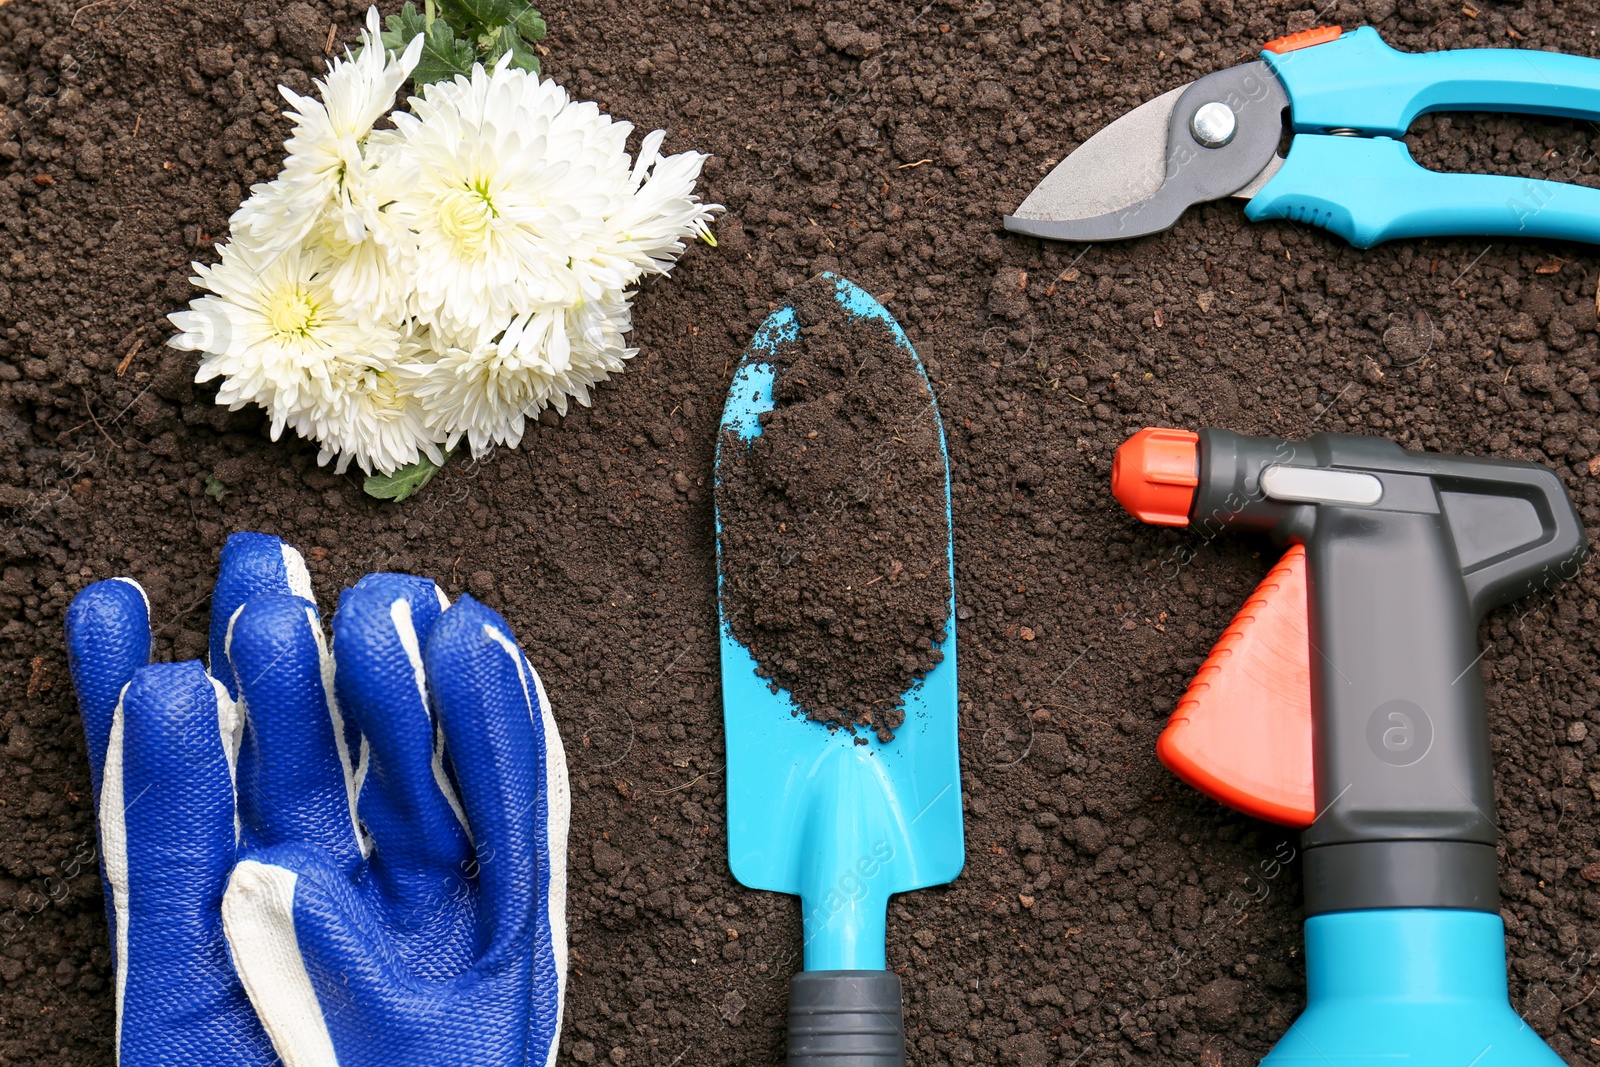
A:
(1155, 473)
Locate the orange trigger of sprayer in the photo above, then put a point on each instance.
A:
(1241, 733)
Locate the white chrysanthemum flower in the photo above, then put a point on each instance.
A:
(507, 185)
(663, 210)
(485, 391)
(273, 330)
(327, 175)
(521, 198)
(371, 418)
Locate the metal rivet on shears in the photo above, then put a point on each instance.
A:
(1214, 124)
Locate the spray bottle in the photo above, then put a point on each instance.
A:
(1345, 700)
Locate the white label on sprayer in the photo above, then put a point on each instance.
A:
(1318, 485)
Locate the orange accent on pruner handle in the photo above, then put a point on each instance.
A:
(1242, 732)
(1154, 475)
(1304, 39)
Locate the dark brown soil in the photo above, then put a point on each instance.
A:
(834, 534)
(1107, 915)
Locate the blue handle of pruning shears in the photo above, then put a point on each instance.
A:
(1366, 188)
(1369, 190)
(1359, 83)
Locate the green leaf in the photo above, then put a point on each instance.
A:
(444, 55)
(402, 27)
(491, 46)
(216, 489)
(523, 58)
(474, 17)
(464, 32)
(530, 25)
(403, 482)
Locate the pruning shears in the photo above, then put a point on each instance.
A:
(1349, 99)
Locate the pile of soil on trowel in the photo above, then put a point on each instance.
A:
(834, 523)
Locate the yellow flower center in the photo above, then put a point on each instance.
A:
(466, 215)
(292, 313)
(384, 393)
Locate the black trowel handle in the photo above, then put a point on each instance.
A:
(846, 1019)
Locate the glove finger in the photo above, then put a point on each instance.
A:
(108, 642)
(295, 780)
(167, 828)
(406, 801)
(253, 564)
(512, 774)
(317, 967)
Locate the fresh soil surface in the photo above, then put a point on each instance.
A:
(835, 573)
(1107, 914)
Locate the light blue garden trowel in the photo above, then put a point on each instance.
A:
(810, 812)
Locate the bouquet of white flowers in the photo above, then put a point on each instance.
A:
(396, 291)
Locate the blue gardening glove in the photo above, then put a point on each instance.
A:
(441, 937)
(161, 740)
(409, 909)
